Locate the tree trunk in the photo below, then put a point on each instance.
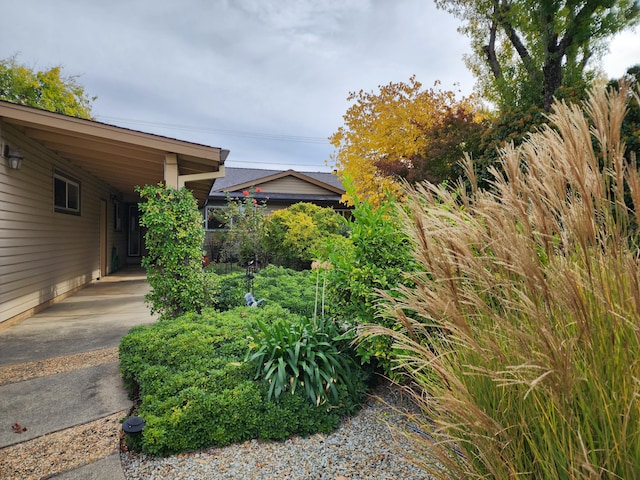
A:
(552, 74)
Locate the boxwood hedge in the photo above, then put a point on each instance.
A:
(195, 389)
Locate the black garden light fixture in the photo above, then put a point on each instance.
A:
(133, 425)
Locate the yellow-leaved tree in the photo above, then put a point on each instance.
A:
(46, 89)
(402, 131)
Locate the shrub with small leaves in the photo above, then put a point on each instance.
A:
(375, 258)
(294, 236)
(244, 218)
(290, 289)
(197, 390)
(174, 241)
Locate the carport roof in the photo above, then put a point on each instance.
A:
(121, 157)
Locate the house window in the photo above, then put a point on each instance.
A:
(66, 194)
(215, 218)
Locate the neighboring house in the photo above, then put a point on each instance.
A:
(279, 188)
(68, 214)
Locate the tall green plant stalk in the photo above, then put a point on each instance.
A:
(318, 267)
(521, 336)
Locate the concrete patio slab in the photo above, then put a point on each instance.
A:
(48, 404)
(93, 318)
(108, 468)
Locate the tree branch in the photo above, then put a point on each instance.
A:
(490, 51)
(501, 15)
(581, 18)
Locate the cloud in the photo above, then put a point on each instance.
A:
(267, 79)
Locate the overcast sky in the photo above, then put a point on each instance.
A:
(266, 79)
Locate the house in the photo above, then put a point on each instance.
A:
(68, 209)
(279, 188)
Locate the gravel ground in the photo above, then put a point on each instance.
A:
(58, 452)
(367, 446)
(51, 366)
(66, 449)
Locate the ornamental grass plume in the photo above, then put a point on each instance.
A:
(521, 338)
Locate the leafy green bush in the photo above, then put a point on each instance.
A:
(225, 292)
(293, 235)
(291, 289)
(196, 389)
(244, 218)
(534, 288)
(301, 352)
(376, 257)
(174, 242)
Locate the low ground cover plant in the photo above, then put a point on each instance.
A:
(523, 347)
(196, 389)
(291, 289)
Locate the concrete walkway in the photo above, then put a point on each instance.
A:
(94, 318)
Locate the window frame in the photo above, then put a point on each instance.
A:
(223, 228)
(68, 180)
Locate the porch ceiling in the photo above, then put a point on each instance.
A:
(121, 157)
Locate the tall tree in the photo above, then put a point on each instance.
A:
(401, 131)
(46, 89)
(526, 50)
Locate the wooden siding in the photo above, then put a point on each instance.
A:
(293, 185)
(44, 254)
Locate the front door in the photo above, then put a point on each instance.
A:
(103, 238)
(135, 239)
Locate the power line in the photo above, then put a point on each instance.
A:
(298, 165)
(231, 133)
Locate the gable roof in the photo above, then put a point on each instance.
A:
(237, 179)
(121, 157)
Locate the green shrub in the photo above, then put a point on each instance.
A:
(294, 235)
(244, 218)
(301, 353)
(376, 257)
(534, 288)
(290, 289)
(196, 389)
(174, 242)
(225, 292)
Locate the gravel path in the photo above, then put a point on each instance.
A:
(52, 366)
(58, 452)
(51, 454)
(367, 446)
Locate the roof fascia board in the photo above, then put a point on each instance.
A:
(83, 127)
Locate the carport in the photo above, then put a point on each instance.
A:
(68, 214)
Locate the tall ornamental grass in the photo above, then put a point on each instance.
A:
(522, 346)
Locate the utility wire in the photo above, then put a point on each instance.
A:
(268, 166)
(232, 133)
